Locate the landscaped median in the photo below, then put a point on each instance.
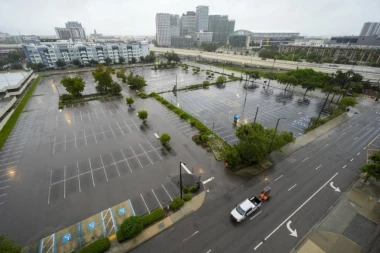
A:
(7, 129)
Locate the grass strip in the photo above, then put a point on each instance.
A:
(7, 129)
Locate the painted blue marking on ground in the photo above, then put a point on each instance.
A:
(40, 247)
(66, 237)
(121, 211)
(102, 222)
(55, 243)
(114, 221)
(91, 225)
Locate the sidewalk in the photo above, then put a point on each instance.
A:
(189, 207)
(348, 226)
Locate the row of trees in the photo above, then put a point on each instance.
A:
(103, 78)
(372, 169)
(209, 47)
(13, 59)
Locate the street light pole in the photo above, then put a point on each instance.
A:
(180, 177)
(257, 110)
(275, 131)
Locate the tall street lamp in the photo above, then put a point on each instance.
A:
(180, 177)
(275, 131)
(257, 110)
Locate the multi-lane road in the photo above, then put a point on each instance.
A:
(304, 184)
(369, 73)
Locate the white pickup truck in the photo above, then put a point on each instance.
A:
(245, 208)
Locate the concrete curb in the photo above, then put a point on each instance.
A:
(150, 232)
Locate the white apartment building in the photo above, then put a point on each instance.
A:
(50, 52)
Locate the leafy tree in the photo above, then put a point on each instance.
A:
(206, 84)
(121, 59)
(16, 65)
(135, 82)
(107, 61)
(172, 57)
(60, 63)
(129, 101)
(151, 57)
(133, 60)
(347, 101)
(287, 80)
(372, 169)
(209, 47)
(270, 75)
(254, 75)
(164, 138)
(77, 62)
(131, 227)
(267, 54)
(142, 59)
(73, 85)
(93, 62)
(103, 78)
(143, 115)
(308, 87)
(8, 246)
(221, 80)
(115, 88)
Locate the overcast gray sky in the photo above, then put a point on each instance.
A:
(137, 17)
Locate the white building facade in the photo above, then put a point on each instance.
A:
(202, 17)
(203, 37)
(50, 52)
(163, 32)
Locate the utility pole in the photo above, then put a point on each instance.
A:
(275, 131)
(180, 177)
(257, 110)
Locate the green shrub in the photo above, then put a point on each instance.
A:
(143, 95)
(185, 189)
(192, 123)
(193, 189)
(151, 218)
(184, 116)
(187, 197)
(60, 106)
(66, 97)
(177, 203)
(203, 137)
(130, 227)
(98, 246)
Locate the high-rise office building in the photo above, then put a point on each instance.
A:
(174, 25)
(189, 24)
(221, 27)
(370, 29)
(202, 18)
(163, 31)
(73, 30)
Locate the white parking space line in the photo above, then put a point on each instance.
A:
(136, 156)
(112, 130)
(92, 174)
(351, 159)
(80, 190)
(9, 163)
(96, 140)
(156, 198)
(167, 192)
(65, 142)
(145, 203)
(105, 173)
(208, 180)
(84, 134)
(255, 215)
(355, 138)
(258, 245)
(344, 166)
(155, 150)
(10, 158)
(358, 153)
(75, 139)
(318, 167)
(64, 182)
(145, 153)
(292, 187)
(88, 113)
(278, 178)
(134, 124)
(127, 126)
(96, 113)
(126, 159)
(119, 128)
(113, 159)
(1, 188)
(305, 159)
(51, 175)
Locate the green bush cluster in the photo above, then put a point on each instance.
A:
(185, 189)
(177, 203)
(198, 124)
(98, 246)
(151, 218)
(143, 95)
(130, 228)
(187, 197)
(193, 189)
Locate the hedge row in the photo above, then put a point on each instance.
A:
(177, 203)
(193, 121)
(99, 246)
(151, 218)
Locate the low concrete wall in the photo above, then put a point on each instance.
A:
(2, 123)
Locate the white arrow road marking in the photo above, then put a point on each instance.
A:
(292, 232)
(304, 203)
(335, 188)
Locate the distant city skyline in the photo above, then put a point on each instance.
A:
(319, 18)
